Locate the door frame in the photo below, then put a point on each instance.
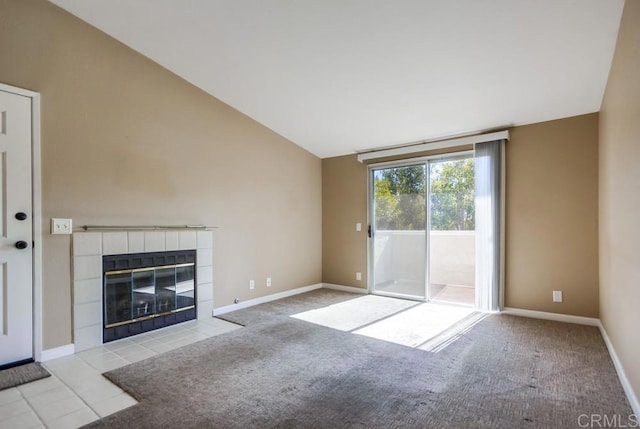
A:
(370, 204)
(36, 207)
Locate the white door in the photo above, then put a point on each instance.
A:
(16, 232)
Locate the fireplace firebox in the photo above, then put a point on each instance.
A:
(147, 291)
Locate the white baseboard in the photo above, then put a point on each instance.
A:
(626, 384)
(345, 288)
(263, 299)
(567, 318)
(285, 294)
(57, 352)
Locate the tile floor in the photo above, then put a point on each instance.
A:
(77, 393)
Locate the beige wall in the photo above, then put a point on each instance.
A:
(126, 142)
(344, 203)
(552, 213)
(552, 216)
(619, 197)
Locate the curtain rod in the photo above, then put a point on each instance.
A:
(143, 227)
(438, 144)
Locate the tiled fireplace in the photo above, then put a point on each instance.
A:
(171, 252)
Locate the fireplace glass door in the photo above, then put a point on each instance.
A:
(143, 293)
(166, 289)
(185, 286)
(144, 297)
(117, 298)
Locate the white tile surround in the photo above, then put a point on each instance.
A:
(90, 247)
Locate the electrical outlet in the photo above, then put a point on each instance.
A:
(60, 226)
(252, 284)
(268, 281)
(557, 296)
(358, 275)
(358, 226)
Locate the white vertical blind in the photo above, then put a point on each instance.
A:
(488, 177)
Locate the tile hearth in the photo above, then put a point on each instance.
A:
(77, 394)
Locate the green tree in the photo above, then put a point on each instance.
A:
(453, 195)
(386, 203)
(400, 196)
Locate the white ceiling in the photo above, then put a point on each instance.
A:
(340, 76)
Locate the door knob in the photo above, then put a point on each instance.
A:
(22, 244)
(21, 216)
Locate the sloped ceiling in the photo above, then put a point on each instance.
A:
(340, 76)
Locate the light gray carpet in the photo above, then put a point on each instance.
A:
(22, 374)
(279, 372)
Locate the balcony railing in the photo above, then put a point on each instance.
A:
(400, 257)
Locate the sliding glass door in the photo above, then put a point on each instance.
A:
(407, 200)
(398, 223)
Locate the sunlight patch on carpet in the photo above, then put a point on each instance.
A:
(450, 335)
(355, 313)
(398, 321)
(417, 325)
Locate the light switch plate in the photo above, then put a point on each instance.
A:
(60, 226)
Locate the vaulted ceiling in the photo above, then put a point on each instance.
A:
(341, 76)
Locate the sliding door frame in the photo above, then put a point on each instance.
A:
(370, 213)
